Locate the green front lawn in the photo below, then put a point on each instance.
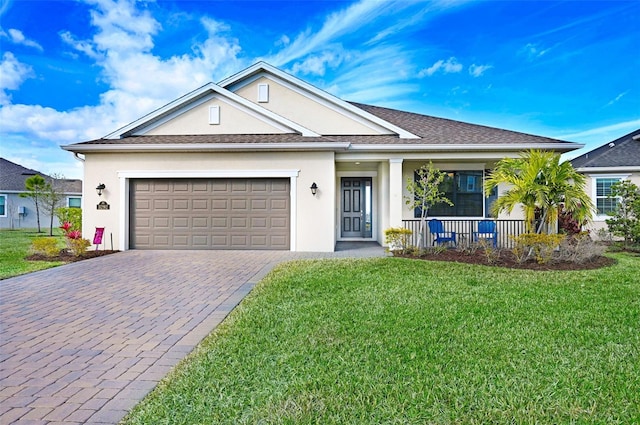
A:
(398, 341)
(14, 247)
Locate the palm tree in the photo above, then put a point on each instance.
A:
(542, 185)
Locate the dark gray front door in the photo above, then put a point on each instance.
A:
(356, 207)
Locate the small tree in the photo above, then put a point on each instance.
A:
(425, 190)
(52, 198)
(36, 187)
(626, 219)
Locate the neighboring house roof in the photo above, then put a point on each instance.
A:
(391, 130)
(13, 176)
(622, 153)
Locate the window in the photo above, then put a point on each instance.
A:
(3, 205)
(464, 189)
(75, 202)
(604, 204)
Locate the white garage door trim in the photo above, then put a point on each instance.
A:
(124, 177)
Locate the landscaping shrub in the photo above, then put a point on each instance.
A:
(72, 216)
(45, 246)
(540, 245)
(580, 249)
(76, 244)
(491, 253)
(397, 239)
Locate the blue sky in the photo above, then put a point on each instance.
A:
(72, 71)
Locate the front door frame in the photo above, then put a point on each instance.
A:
(373, 175)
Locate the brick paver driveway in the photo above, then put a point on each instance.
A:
(83, 343)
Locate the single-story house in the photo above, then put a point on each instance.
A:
(264, 160)
(610, 163)
(18, 212)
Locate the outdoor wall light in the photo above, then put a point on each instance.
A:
(100, 188)
(314, 189)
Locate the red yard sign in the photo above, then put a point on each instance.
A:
(97, 238)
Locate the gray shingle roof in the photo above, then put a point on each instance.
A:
(13, 176)
(622, 152)
(435, 130)
(432, 131)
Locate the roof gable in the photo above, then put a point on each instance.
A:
(336, 116)
(152, 123)
(623, 152)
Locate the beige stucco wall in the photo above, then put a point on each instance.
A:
(599, 220)
(305, 111)
(234, 119)
(314, 216)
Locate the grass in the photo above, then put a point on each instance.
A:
(14, 247)
(398, 341)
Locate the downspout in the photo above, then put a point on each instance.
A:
(75, 155)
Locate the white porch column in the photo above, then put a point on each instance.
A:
(395, 192)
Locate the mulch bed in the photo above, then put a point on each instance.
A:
(67, 257)
(507, 259)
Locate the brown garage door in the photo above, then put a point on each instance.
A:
(209, 214)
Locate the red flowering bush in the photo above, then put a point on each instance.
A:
(75, 243)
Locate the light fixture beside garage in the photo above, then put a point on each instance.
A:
(314, 188)
(100, 188)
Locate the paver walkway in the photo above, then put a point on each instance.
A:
(85, 342)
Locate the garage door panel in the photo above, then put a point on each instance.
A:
(219, 222)
(239, 204)
(220, 204)
(279, 204)
(200, 204)
(180, 241)
(160, 187)
(200, 222)
(210, 214)
(161, 204)
(180, 223)
(200, 186)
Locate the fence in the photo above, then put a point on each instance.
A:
(464, 229)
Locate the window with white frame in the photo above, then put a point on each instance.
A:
(74, 202)
(3, 205)
(605, 204)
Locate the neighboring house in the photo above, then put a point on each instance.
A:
(264, 160)
(606, 165)
(18, 212)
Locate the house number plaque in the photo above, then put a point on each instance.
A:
(103, 205)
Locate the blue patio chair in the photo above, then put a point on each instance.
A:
(486, 231)
(439, 235)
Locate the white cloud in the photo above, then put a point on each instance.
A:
(450, 66)
(533, 51)
(350, 19)
(478, 70)
(139, 81)
(317, 64)
(600, 131)
(17, 37)
(12, 74)
(617, 98)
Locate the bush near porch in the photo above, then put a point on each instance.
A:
(394, 340)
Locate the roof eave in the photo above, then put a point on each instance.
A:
(559, 147)
(201, 147)
(619, 169)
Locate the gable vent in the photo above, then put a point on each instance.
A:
(263, 93)
(214, 115)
